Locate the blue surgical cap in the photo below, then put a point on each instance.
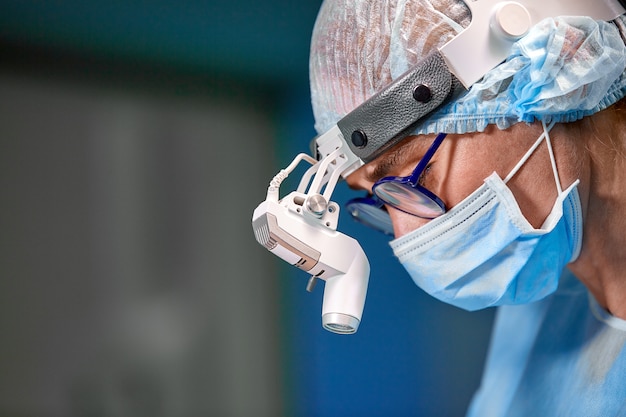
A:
(564, 69)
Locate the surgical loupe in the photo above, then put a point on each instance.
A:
(301, 228)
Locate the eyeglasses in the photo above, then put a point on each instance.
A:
(402, 193)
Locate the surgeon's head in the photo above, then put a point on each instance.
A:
(487, 193)
(563, 70)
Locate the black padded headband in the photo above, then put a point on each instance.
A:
(389, 116)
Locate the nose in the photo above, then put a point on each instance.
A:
(358, 180)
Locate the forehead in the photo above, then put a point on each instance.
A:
(410, 147)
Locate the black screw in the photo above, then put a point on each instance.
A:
(422, 93)
(359, 139)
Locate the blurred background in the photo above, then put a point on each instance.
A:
(136, 139)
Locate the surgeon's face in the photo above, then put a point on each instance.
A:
(461, 164)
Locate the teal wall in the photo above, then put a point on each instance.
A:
(261, 40)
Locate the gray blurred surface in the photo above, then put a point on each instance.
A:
(130, 281)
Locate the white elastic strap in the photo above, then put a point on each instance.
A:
(521, 162)
(552, 160)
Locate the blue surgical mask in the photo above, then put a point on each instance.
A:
(484, 252)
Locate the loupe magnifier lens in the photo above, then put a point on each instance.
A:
(417, 200)
(371, 214)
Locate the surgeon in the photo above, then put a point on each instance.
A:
(512, 194)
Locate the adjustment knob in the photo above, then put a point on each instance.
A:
(511, 20)
(316, 204)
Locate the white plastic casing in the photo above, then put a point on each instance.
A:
(301, 229)
(324, 253)
(496, 25)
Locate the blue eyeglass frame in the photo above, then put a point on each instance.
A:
(362, 208)
(410, 183)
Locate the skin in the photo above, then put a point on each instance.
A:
(590, 150)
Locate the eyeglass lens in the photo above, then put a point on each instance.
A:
(405, 194)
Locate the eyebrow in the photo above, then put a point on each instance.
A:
(394, 157)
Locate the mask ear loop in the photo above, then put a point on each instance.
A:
(552, 159)
(545, 135)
